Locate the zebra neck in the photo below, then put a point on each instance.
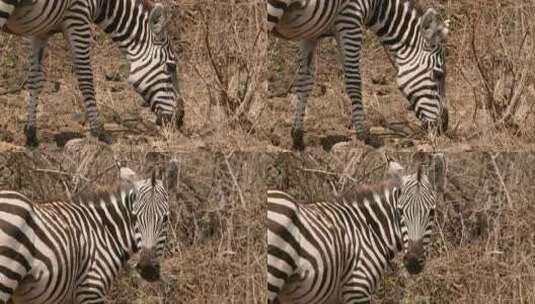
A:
(126, 22)
(113, 213)
(380, 214)
(397, 24)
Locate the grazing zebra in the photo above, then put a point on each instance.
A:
(137, 28)
(417, 43)
(337, 252)
(70, 252)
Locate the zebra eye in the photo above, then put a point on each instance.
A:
(171, 67)
(438, 74)
(133, 197)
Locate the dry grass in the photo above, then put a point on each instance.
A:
(490, 89)
(216, 247)
(483, 246)
(229, 72)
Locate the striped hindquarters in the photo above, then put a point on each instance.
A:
(283, 242)
(301, 19)
(307, 251)
(28, 253)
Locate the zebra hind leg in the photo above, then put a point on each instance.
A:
(303, 87)
(78, 34)
(34, 84)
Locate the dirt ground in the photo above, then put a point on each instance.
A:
(215, 251)
(483, 242)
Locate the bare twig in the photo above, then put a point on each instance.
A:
(501, 180)
(58, 172)
(235, 181)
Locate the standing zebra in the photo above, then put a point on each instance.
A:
(63, 252)
(337, 252)
(136, 27)
(417, 43)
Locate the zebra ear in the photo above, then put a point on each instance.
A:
(157, 20)
(153, 178)
(171, 175)
(127, 175)
(394, 171)
(433, 31)
(420, 172)
(438, 171)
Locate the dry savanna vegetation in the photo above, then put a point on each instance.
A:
(490, 85)
(236, 81)
(221, 51)
(484, 244)
(215, 251)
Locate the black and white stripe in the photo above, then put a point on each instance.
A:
(138, 30)
(71, 252)
(337, 252)
(416, 42)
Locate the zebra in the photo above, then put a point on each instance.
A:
(136, 27)
(70, 252)
(337, 252)
(417, 42)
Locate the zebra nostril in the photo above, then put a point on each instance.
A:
(413, 265)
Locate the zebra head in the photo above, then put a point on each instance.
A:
(421, 78)
(416, 206)
(153, 72)
(150, 211)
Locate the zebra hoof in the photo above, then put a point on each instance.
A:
(102, 135)
(31, 136)
(297, 137)
(374, 141)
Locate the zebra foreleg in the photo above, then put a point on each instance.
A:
(350, 44)
(78, 34)
(34, 84)
(303, 87)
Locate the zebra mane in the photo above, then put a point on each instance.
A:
(414, 6)
(90, 197)
(147, 4)
(360, 193)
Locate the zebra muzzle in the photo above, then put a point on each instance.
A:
(148, 266)
(414, 259)
(413, 265)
